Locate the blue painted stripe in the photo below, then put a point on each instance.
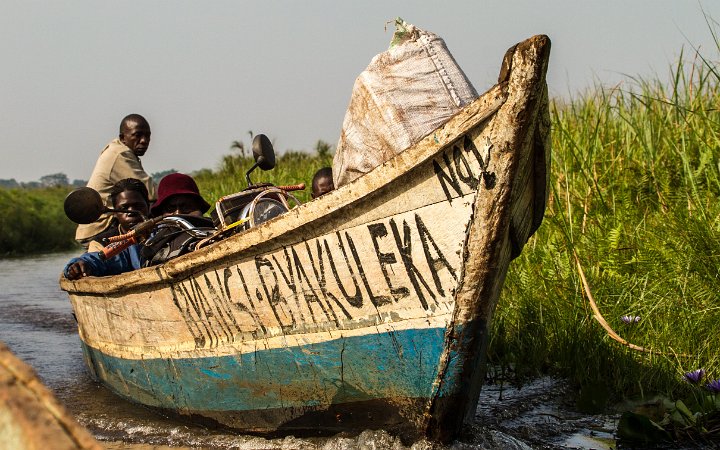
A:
(386, 365)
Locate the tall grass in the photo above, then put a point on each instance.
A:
(292, 168)
(33, 221)
(636, 194)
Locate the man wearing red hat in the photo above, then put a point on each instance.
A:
(179, 194)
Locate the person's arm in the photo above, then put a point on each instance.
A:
(87, 264)
(91, 264)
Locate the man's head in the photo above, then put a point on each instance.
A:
(135, 133)
(130, 195)
(179, 194)
(322, 182)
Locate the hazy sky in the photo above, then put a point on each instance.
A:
(204, 73)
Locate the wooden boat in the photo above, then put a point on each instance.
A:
(30, 415)
(366, 308)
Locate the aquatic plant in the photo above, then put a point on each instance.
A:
(696, 418)
(713, 386)
(630, 319)
(695, 376)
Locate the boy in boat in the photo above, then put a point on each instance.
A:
(130, 195)
(120, 159)
(177, 194)
(322, 182)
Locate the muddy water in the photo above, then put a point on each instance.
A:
(37, 324)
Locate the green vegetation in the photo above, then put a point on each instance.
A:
(33, 221)
(292, 168)
(636, 195)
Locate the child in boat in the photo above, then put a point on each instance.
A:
(131, 196)
(322, 182)
(178, 194)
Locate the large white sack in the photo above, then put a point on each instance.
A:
(404, 94)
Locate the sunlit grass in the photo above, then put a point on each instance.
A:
(635, 193)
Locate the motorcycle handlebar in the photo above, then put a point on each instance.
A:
(292, 187)
(114, 248)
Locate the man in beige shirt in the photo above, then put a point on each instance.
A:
(120, 159)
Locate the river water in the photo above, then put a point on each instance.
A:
(36, 322)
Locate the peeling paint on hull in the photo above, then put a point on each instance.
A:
(388, 369)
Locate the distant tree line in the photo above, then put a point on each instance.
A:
(52, 180)
(59, 180)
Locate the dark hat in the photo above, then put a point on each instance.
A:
(174, 184)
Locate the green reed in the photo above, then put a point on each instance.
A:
(33, 221)
(635, 193)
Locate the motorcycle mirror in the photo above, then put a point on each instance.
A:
(263, 152)
(84, 205)
(264, 155)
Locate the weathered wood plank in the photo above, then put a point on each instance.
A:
(498, 231)
(30, 416)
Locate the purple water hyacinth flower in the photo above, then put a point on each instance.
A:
(713, 386)
(630, 319)
(695, 376)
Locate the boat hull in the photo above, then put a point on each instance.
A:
(365, 308)
(289, 388)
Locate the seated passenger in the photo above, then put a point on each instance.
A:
(179, 194)
(322, 182)
(129, 194)
(120, 159)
